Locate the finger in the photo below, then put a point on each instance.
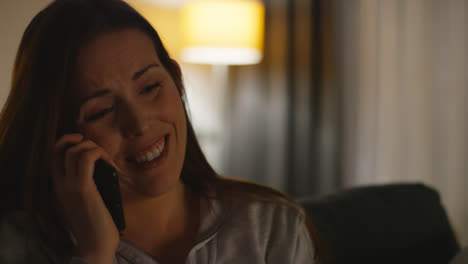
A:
(72, 152)
(67, 140)
(60, 147)
(73, 156)
(88, 144)
(86, 152)
(80, 146)
(78, 173)
(86, 164)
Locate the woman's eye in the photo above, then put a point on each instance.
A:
(150, 88)
(100, 114)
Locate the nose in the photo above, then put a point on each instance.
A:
(133, 120)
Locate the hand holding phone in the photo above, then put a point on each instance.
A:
(107, 182)
(82, 207)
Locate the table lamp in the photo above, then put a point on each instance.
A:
(222, 32)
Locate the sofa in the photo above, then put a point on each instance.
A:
(395, 223)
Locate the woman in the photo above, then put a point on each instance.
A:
(92, 81)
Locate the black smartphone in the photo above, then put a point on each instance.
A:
(107, 182)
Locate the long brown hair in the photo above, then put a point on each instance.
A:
(37, 112)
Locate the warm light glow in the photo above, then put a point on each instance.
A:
(166, 22)
(222, 31)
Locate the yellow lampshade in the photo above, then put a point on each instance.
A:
(222, 31)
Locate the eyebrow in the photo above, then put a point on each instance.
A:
(135, 77)
(139, 73)
(94, 95)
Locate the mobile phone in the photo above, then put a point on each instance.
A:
(107, 182)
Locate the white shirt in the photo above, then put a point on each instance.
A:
(234, 232)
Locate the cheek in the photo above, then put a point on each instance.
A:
(179, 116)
(174, 113)
(172, 108)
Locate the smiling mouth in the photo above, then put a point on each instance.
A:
(151, 154)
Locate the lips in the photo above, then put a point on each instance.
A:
(150, 153)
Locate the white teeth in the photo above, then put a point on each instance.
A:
(149, 156)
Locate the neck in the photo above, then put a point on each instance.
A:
(156, 224)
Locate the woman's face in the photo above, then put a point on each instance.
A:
(130, 106)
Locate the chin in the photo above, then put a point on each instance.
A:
(157, 187)
(155, 182)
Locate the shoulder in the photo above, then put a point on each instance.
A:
(260, 203)
(461, 257)
(13, 237)
(267, 214)
(18, 243)
(268, 223)
(273, 220)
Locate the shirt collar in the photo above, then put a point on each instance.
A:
(213, 213)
